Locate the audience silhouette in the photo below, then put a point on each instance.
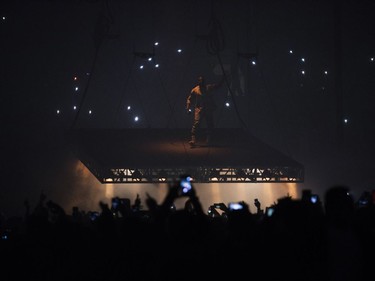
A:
(293, 239)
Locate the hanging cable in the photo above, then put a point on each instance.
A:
(101, 32)
(215, 45)
(80, 106)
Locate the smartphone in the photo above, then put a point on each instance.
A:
(314, 198)
(269, 211)
(185, 184)
(235, 206)
(115, 203)
(94, 215)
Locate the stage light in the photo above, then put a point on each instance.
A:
(372, 59)
(74, 107)
(162, 176)
(149, 59)
(156, 43)
(326, 72)
(157, 65)
(129, 107)
(141, 67)
(136, 118)
(75, 78)
(179, 51)
(76, 89)
(290, 51)
(90, 112)
(303, 72)
(58, 111)
(214, 175)
(227, 104)
(303, 59)
(253, 62)
(346, 120)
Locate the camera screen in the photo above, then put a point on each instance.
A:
(270, 211)
(235, 206)
(185, 184)
(314, 198)
(94, 215)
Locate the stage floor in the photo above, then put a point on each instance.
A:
(103, 150)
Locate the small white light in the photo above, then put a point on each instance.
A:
(290, 51)
(58, 111)
(3, 18)
(90, 111)
(227, 104)
(136, 118)
(74, 107)
(303, 59)
(75, 78)
(303, 72)
(129, 107)
(150, 59)
(326, 72)
(346, 120)
(372, 59)
(253, 62)
(179, 50)
(157, 65)
(156, 43)
(141, 67)
(76, 89)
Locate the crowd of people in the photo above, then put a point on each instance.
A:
(310, 238)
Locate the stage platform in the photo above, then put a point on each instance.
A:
(162, 155)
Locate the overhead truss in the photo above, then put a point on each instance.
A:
(204, 175)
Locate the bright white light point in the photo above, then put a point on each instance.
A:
(129, 107)
(3, 18)
(141, 67)
(149, 59)
(136, 118)
(58, 111)
(179, 50)
(74, 107)
(76, 88)
(75, 78)
(303, 59)
(253, 62)
(156, 43)
(346, 121)
(303, 72)
(227, 104)
(372, 59)
(90, 111)
(291, 52)
(326, 72)
(157, 65)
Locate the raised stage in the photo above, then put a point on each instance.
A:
(162, 155)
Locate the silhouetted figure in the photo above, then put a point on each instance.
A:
(344, 253)
(201, 102)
